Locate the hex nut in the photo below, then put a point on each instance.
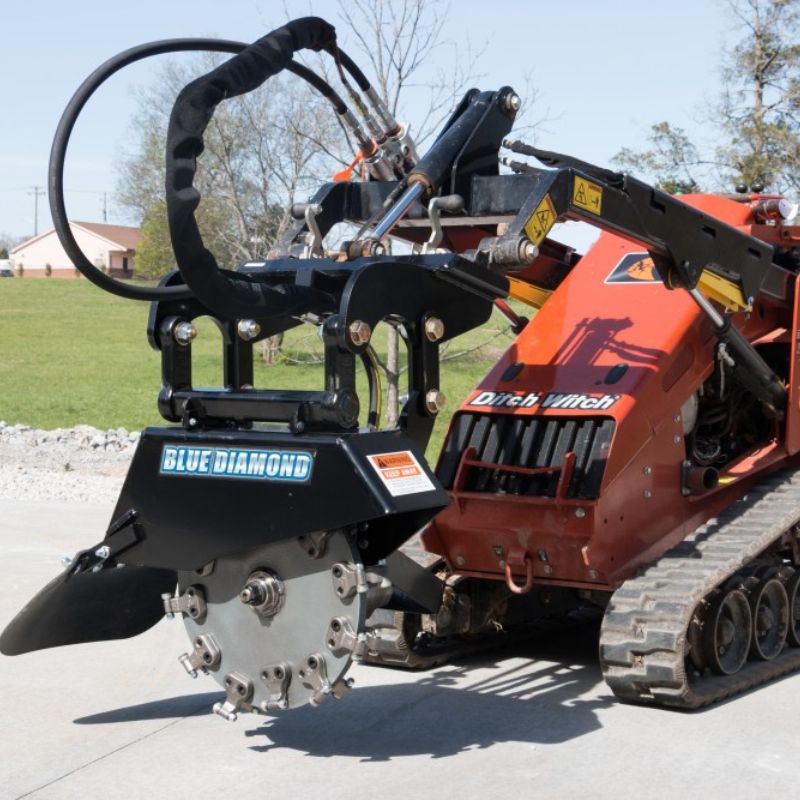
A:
(360, 332)
(434, 329)
(248, 329)
(435, 401)
(184, 333)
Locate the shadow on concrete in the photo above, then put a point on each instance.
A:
(544, 690)
(540, 700)
(169, 707)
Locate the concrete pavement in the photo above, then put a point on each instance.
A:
(122, 719)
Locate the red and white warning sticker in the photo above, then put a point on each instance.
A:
(401, 473)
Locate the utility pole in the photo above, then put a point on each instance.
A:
(105, 206)
(37, 192)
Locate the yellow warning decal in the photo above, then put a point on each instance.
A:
(587, 195)
(541, 220)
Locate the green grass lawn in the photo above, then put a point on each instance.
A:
(72, 354)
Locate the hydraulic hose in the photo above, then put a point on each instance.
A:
(55, 175)
(76, 105)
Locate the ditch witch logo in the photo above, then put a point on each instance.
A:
(580, 401)
(218, 462)
(634, 268)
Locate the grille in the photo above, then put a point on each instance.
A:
(500, 451)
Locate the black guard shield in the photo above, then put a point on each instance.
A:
(168, 521)
(114, 603)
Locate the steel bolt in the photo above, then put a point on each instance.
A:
(460, 561)
(528, 251)
(512, 102)
(580, 513)
(648, 470)
(248, 329)
(360, 332)
(434, 329)
(103, 552)
(594, 574)
(434, 401)
(648, 494)
(184, 332)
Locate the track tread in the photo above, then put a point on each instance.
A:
(644, 630)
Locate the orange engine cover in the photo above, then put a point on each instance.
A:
(572, 447)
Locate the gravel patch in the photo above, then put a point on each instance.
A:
(81, 464)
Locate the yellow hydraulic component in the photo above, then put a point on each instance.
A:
(723, 291)
(527, 293)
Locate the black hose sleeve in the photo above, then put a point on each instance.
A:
(190, 116)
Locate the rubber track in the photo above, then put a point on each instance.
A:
(644, 631)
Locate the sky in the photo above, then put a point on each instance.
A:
(603, 73)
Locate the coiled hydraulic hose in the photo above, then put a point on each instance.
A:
(76, 105)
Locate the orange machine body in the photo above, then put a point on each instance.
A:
(595, 387)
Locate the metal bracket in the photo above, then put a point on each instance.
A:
(452, 203)
(342, 639)
(191, 603)
(314, 675)
(313, 237)
(205, 656)
(277, 677)
(349, 579)
(239, 690)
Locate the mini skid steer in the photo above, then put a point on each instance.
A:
(633, 451)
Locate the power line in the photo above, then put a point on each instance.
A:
(37, 192)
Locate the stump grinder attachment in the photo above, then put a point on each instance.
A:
(632, 453)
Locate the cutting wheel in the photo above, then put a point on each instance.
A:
(271, 625)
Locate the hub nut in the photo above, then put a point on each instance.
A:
(360, 332)
(264, 592)
(248, 329)
(434, 401)
(184, 332)
(434, 329)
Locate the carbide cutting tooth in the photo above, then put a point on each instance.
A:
(206, 655)
(239, 691)
(186, 662)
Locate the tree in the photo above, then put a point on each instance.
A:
(761, 101)
(8, 243)
(154, 257)
(758, 115)
(246, 188)
(397, 41)
(669, 161)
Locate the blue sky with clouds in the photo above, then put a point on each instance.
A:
(604, 72)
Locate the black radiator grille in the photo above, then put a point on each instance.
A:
(506, 440)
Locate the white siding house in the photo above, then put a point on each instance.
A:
(111, 248)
